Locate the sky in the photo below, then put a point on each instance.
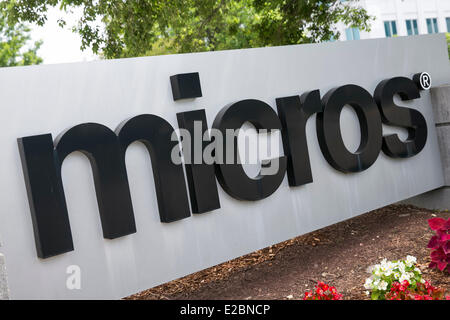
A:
(60, 45)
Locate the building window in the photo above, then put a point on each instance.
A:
(432, 25)
(411, 27)
(390, 28)
(352, 34)
(448, 24)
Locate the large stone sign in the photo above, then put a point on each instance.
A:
(94, 205)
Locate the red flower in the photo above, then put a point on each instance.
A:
(433, 243)
(437, 223)
(440, 244)
(446, 245)
(323, 292)
(422, 291)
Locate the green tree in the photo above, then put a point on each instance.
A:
(448, 44)
(140, 27)
(14, 49)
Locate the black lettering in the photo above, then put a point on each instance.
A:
(200, 176)
(394, 115)
(294, 112)
(42, 165)
(232, 176)
(155, 133)
(329, 131)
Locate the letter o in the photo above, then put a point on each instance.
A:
(329, 130)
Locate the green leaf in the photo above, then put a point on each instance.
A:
(131, 28)
(15, 46)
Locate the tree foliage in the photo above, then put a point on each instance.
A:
(124, 28)
(448, 43)
(14, 49)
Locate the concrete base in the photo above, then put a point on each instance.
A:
(4, 291)
(438, 199)
(443, 133)
(440, 99)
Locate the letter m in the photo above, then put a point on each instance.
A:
(42, 161)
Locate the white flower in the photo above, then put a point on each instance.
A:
(404, 277)
(368, 283)
(387, 268)
(367, 293)
(376, 283)
(410, 261)
(394, 270)
(383, 285)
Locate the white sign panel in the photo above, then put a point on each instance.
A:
(49, 99)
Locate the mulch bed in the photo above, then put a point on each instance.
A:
(338, 255)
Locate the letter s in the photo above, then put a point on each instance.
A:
(394, 115)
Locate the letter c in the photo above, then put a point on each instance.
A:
(232, 177)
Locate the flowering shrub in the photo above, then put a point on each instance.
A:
(323, 292)
(440, 243)
(423, 291)
(385, 274)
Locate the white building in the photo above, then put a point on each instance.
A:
(401, 18)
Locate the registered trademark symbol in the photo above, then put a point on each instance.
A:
(423, 80)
